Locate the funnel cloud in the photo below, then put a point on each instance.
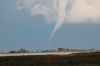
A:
(63, 11)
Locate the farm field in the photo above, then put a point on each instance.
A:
(75, 59)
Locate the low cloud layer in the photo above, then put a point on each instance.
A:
(85, 9)
(63, 11)
(70, 9)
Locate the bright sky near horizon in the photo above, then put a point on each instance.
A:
(24, 25)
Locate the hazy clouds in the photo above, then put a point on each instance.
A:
(78, 9)
(84, 9)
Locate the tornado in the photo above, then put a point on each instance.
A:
(61, 13)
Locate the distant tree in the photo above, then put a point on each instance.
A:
(12, 52)
(22, 50)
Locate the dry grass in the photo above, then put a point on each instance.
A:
(80, 59)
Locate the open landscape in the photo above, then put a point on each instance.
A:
(49, 32)
(51, 59)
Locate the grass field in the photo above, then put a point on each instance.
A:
(77, 59)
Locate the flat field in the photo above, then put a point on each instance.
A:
(75, 59)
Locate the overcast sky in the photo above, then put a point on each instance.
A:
(19, 29)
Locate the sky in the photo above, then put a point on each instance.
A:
(20, 29)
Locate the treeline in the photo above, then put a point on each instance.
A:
(23, 50)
